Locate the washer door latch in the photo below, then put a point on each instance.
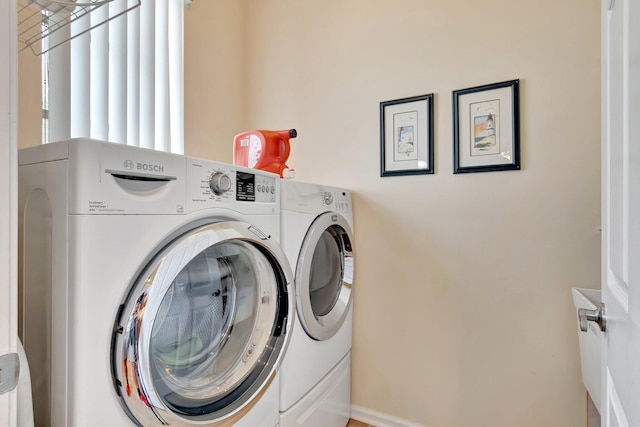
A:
(9, 372)
(261, 234)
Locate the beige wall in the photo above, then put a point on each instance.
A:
(215, 76)
(463, 314)
(29, 99)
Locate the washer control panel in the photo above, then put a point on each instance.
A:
(335, 199)
(209, 182)
(313, 198)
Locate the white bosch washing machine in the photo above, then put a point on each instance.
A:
(153, 288)
(317, 237)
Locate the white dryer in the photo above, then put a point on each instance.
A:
(153, 290)
(317, 237)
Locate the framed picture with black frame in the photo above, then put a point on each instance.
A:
(486, 128)
(406, 136)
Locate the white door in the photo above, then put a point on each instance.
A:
(8, 203)
(621, 212)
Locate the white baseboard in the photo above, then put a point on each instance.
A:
(378, 419)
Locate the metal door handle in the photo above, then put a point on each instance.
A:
(597, 316)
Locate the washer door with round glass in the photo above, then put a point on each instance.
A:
(324, 276)
(204, 328)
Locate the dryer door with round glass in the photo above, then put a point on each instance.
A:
(204, 327)
(324, 276)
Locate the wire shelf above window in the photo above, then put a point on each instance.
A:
(46, 24)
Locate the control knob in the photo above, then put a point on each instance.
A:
(219, 182)
(328, 198)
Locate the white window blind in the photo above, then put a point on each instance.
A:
(126, 76)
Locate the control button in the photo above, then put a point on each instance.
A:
(273, 189)
(328, 198)
(219, 183)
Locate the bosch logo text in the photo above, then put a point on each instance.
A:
(150, 167)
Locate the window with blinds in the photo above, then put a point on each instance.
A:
(123, 80)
